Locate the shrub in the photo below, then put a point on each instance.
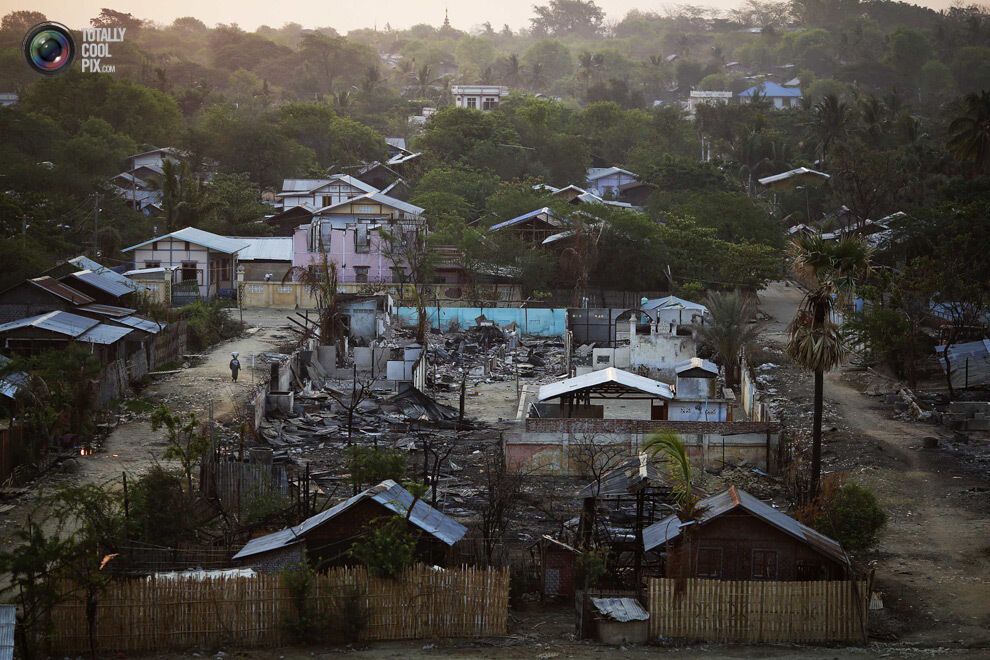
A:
(386, 550)
(370, 465)
(301, 623)
(852, 516)
(208, 324)
(352, 614)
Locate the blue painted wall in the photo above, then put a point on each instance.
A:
(537, 321)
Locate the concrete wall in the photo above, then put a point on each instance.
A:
(536, 321)
(294, 295)
(559, 446)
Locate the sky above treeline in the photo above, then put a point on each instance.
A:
(342, 15)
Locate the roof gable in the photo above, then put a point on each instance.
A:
(601, 377)
(199, 237)
(388, 494)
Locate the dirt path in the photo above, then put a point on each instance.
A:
(133, 446)
(933, 562)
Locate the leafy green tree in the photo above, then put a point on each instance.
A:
(336, 141)
(370, 466)
(387, 549)
(185, 440)
(552, 58)
(852, 516)
(563, 17)
(969, 138)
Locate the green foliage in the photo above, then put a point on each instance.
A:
(302, 623)
(160, 512)
(671, 449)
(730, 329)
(387, 548)
(591, 568)
(209, 323)
(852, 516)
(185, 441)
(371, 465)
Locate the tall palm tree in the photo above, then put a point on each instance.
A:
(730, 329)
(424, 82)
(829, 271)
(832, 118)
(511, 69)
(970, 132)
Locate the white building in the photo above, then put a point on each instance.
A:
(478, 97)
(608, 181)
(315, 194)
(198, 263)
(700, 97)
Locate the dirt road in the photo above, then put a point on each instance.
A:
(933, 562)
(133, 446)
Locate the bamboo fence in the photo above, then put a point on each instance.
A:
(153, 615)
(758, 611)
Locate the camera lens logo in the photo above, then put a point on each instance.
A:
(49, 48)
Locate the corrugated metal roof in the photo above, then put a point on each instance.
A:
(63, 323)
(696, 363)
(711, 507)
(625, 479)
(8, 619)
(265, 248)
(60, 289)
(145, 325)
(771, 90)
(595, 173)
(198, 237)
(603, 377)
(390, 495)
(295, 187)
(85, 263)
(107, 310)
(104, 284)
(397, 142)
(551, 219)
(104, 334)
(800, 172)
(620, 609)
(969, 362)
(672, 302)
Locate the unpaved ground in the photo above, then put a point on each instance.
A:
(133, 446)
(933, 562)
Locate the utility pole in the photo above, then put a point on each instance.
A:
(96, 225)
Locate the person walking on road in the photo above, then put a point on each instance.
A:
(235, 366)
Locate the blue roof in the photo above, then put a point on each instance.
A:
(105, 284)
(390, 495)
(772, 90)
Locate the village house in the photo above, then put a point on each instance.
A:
(608, 181)
(575, 195)
(54, 330)
(102, 289)
(140, 186)
(478, 97)
(266, 258)
(39, 295)
(325, 539)
(779, 96)
(317, 194)
(738, 537)
(197, 263)
(699, 97)
(537, 227)
(349, 233)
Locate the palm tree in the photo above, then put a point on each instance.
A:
(672, 451)
(970, 132)
(321, 280)
(730, 329)
(831, 122)
(424, 81)
(828, 271)
(671, 448)
(512, 69)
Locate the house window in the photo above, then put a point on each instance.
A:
(764, 564)
(187, 246)
(362, 238)
(489, 103)
(154, 246)
(361, 274)
(327, 200)
(152, 264)
(472, 103)
(709, 562)
(190, 271)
